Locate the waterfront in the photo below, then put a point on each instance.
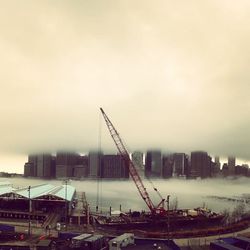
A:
(187, 193)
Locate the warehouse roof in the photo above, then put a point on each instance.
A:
(41, 191)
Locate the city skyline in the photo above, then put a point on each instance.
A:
(171, 75)
(152, 163)
(23, 158)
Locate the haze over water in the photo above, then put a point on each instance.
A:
(189, 193)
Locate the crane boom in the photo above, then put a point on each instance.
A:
(155, 210)
(125, 155)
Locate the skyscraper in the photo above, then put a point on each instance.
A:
(32, 160)
(167, 166)
(153, 164)
(179, 165)
(200, 164)
(113, 166)
(137, 159)
(44, 162)
(65, 162)
(215, 167)
(94, 164)
(231, 165)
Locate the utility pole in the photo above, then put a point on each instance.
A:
(29, 228)
(168, 197)
(66, 202)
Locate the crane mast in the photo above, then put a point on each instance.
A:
(155, 210)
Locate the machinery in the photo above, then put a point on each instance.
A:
(158, 210)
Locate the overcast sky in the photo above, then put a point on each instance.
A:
(170, 74)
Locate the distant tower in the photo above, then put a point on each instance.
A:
(113, 166)
(44, 162)
(179, 167)
(217, 161)
(200, 164)
(217, 165)
(95, 164)
(231, 165)
(65, 162)
(153, 165)
(137, 159)
(167, 166)
(30, 167)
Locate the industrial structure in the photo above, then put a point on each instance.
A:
(46, 204)
(154, 209)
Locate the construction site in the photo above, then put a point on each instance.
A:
(58, 217)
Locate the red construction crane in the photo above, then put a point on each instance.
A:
(155, 210)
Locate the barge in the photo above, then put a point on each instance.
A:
(175, 219)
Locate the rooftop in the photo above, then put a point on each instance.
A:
(63, 192)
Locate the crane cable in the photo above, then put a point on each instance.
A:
(99, 179)
(149, 180)
(140, 166)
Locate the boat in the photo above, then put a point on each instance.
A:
(175, 219)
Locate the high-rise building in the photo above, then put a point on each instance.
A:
(225, 169)
(28, 169)
(94, 164)
(167, 166)
(80, 171)
(217, 160)
(32, 160)
(216, 166)
(179, 165)
(153, 164)
(113, 166)
(231, 165)
(241, 170)
(200, 165)
(44, 162)
(65, 162)
(137, 159)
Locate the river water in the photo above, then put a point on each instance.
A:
(184, 193)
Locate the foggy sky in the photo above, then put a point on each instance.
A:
(170, 74)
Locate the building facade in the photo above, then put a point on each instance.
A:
(137, 159)
(153, 163)
(65, 162)
(231, 165)
(94, 164)
(44, 166)
(200, 165)
(114, 167)
(180, 165)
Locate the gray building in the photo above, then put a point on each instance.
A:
(65, 162)
(63, 171)
(167, 166)
(241, 170)
(231, 165)
(28, 169)
(153, 163)
(80, 171)
(215, 168)
(180, 162)
(137, 159)
(113, 166)
(200, 165)
(94, 164)
(32, 160)
(44, 166)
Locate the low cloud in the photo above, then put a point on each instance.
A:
(171, 75)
